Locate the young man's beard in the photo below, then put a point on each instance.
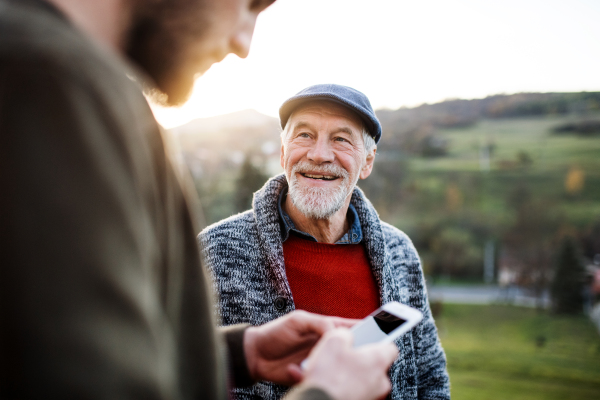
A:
(157, 44)
(317, 202)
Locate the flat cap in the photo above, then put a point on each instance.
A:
(343, 95)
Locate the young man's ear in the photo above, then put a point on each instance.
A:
(368, 165)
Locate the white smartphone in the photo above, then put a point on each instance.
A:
(385, 324)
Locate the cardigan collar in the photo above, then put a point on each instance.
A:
(265, 207)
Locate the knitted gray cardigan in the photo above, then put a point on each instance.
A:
(244, 253)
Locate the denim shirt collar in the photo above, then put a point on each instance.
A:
(353, 236)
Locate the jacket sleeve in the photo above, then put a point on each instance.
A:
(240, 376)
(238, 367)
(432, 376)
(81, 298)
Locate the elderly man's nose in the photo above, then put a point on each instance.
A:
(321, 152)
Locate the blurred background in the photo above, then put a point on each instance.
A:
(489, 161)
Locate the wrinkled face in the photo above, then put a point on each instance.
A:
(323, 156)
(174, 41)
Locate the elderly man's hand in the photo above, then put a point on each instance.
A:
(348, 373)
(274, 350)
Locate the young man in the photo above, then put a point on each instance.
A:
(102, 294)
(314, 242)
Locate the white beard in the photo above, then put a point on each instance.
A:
(318, 202)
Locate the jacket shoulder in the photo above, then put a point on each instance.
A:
(235, 227)
(400, 246)
(394, 236)
(227, 237)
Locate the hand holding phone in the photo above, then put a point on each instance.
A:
(384, 325)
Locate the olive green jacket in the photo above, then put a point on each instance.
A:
(102, 295)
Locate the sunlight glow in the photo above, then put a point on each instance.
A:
(404, 53)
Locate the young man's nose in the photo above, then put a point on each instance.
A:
(242, 38)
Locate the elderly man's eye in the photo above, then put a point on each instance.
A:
(341, 139)
(304, 135)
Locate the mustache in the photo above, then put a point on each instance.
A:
(305, 167)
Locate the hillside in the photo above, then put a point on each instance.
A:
(518, 171)
(412, 131)
(415, 130)
(238, 131)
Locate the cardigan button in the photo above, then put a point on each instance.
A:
(280, 303)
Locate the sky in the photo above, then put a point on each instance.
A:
(404, 53)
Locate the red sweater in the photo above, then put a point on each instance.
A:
(330, 279)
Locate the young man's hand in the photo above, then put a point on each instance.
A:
(275, 350)
(348, 373)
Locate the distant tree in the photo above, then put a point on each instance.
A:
(454, 197)
(384, 187)
(251, 178)
(524, 159)
(575, 181)
(590, 239)
(569, 279)
(529, 240)
(434, 146)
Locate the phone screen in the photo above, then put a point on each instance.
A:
(375, 328)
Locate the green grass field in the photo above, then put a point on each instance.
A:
(503, 352)
(551, 157)
(549, 152)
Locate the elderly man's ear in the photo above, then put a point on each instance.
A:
(368, 166)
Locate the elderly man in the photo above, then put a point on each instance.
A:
(314, 242)
(102, 294)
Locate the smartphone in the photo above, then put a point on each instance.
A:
(385, 324)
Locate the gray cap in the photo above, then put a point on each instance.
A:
(343, 95)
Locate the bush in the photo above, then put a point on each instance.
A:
(456, 253)
(581, 128)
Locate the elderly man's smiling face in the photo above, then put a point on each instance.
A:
(323, 154)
